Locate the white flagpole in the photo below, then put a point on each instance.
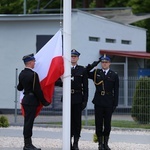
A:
(66, 76)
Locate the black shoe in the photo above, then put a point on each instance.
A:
(30, 147)
(75, 144)
(100, 143)
(101, 147)
(75, 148)
(71, 147)
(35, 148)
(106, 147)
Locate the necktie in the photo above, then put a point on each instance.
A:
(104, 72)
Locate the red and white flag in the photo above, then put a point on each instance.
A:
(49, 65)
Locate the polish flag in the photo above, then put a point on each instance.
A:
(49, 66)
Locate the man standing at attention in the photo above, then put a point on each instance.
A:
(105, 99)
(33, 96)
(79, 97)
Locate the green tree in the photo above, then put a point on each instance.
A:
(140, 6)
(117, 3)
(17, 6)
(11, 7)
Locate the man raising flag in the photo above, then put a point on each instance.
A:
(38, 85)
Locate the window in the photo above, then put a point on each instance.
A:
(110, 40)
(41, 40)
(94, 39)
(125, 42)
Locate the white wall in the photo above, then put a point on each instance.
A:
(18, 38)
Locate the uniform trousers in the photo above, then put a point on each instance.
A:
(76, 113)
(29, 116)
(103, 120)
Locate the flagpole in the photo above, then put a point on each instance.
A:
(66, 76)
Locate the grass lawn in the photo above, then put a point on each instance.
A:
(122, 124)
(129, 124)
(115, 123)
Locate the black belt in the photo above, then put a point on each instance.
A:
(105, 93)
(29, 94)
(75, 91)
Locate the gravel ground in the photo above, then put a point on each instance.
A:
(50, 139)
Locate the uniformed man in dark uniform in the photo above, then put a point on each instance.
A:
(33, 96)
(105, 99)
(79, 96)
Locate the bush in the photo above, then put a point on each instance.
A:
(4, 121)
(141, 101)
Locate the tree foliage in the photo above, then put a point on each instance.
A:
(140, 6)
(11, 7)
(117, 3)
(17, 6)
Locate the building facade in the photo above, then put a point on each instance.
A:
(90, 35)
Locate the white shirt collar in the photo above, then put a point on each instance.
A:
(29, 68)
(106, 71)
(73, 66)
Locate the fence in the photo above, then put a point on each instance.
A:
(53, 113)
(126, 91)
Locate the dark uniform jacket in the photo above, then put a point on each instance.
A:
(29, 82)
(107, 88)
(79, 85)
